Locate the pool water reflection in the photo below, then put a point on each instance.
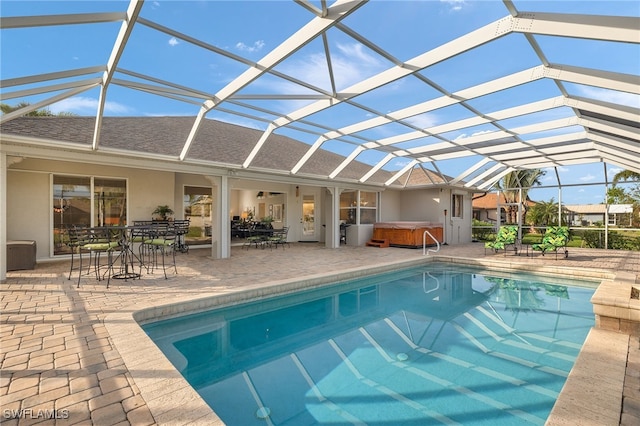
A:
(439, 344)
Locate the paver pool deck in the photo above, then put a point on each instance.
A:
(77, 354)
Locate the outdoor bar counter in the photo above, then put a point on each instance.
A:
(408, 234)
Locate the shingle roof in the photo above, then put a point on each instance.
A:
(216, 142)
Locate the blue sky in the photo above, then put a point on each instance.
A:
(404, 29)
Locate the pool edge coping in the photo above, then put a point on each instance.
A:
(169, 396)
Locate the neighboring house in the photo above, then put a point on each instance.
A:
(485, 207)
(53, 173)
(591, 214)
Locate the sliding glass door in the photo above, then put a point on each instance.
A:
(85, 201)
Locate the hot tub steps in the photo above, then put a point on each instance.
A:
(378, 243)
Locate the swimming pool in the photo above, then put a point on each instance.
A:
(437, 344)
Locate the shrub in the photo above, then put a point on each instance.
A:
(481, 230)
(616, 241)
(593, 239)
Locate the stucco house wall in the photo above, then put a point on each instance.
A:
(390, 208)
(28, 209)
(29, 197)
(429, 205)
(421, 205)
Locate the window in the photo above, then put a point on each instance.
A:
(86, 201)
(198, 203)
(456, 205)
(368, 207)
(348, 207)
(358, 207)
(110, 202)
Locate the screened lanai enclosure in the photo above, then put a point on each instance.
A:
(407, 94)
(468, 95)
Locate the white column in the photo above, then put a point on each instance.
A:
(220, 226)
(3, 217)
(224, 222)
(332, 239)
(225, 225)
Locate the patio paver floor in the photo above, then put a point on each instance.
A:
(56, 352)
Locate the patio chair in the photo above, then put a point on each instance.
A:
(73, 243)
(279, 237)
(182, 229)
(141, 232)
(507, 237)
(95, 242)
(555, 239)
(161, 241)
(255, 238)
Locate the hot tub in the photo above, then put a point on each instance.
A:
(408, 234)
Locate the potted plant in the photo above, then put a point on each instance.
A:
(267, 220)
(163, 212)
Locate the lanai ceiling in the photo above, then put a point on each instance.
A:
(405, 87)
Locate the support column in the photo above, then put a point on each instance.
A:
(3, 217)
(332, 239)
(224, 234)
(221, 233)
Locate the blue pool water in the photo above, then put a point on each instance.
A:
(439, 344)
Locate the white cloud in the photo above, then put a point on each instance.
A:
(560, 169)
(587, 178)
(400, 163)
(612, 96)
(350, 64)
(173, 41)
(455, 5)
(257, 46)
(357, 52)
(423, 121)
(85, 106)
(614, 170)
(464, 135)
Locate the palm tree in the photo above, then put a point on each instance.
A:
(626, 175)
(510, 186)
(544, 213)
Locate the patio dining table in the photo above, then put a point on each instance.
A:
(258, 236)
(127, 235)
